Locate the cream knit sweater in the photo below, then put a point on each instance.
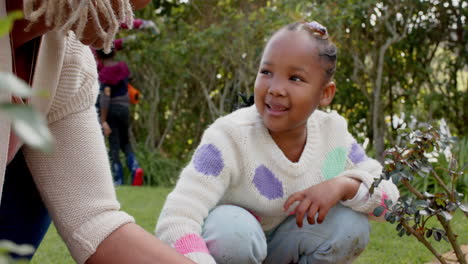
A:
(238, 163)
(75, 180)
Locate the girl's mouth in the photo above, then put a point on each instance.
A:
(276, 109)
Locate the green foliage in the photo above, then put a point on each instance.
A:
(208, 52)
(27, 123)
(386, 247)
(6, 23)
(194, 70)
(413, 210)
(159, 170)
(7, 247)
(460, 153)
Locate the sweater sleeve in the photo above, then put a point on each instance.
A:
(359, 166)
(76, 185)
(201, 185)
(75, 180)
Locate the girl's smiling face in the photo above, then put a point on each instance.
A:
(290, 83)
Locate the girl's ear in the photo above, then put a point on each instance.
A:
(327, 94)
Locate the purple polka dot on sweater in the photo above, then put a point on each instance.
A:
(357, 153)
(267, 184)
(208, 160)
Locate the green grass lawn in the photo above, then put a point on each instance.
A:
(145, 203)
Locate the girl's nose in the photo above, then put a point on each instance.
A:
(277, 88)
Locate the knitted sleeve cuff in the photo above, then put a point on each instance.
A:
(85, 240)
(367, 179)
(362, 195)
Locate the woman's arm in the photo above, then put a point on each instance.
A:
(131, 244)
(75, 183)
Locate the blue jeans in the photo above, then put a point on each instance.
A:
(23, 216)
(233, 235)
(118, 119)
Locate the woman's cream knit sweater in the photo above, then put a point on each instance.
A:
(75, 180)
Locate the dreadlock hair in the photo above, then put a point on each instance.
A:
(102, 55)
(80, 11)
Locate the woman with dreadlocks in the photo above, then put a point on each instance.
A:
(73, 185)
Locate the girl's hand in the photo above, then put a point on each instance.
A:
(320, 198)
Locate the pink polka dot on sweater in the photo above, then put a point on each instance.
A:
(190, 243)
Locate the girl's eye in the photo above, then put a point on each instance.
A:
(265, 72)
(296, 79)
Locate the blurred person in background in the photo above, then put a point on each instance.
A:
(114, 115)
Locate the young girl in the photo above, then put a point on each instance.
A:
(259, 171)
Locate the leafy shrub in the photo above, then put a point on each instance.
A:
(7, 248)
(159, 170)
(442, 161)
(413, 210)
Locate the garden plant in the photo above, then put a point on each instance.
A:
(439, 200)
(28, 124)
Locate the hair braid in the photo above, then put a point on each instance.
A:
(327, 50)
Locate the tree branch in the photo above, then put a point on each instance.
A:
(359, 65)
(441, 183)
(453, 240)
(171, 120)
(412, 189)
(424, 241)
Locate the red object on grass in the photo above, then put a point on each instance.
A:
(138, 178)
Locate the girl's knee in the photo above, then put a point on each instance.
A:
(352, 230)
(349, 221)
(347, 243)
(350, 236)
(238, 248)
(344, 251)
(233, 235)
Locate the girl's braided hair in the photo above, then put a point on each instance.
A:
(327, 51)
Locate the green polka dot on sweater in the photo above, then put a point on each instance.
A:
(334, 163)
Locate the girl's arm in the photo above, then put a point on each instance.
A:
(348, 174)
(360, 167)
(200, 187)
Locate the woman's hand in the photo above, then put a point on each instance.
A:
(139, 4)
(320, 198)
(39, 28)
(90, 34)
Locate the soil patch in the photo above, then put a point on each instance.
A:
(451, 257)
